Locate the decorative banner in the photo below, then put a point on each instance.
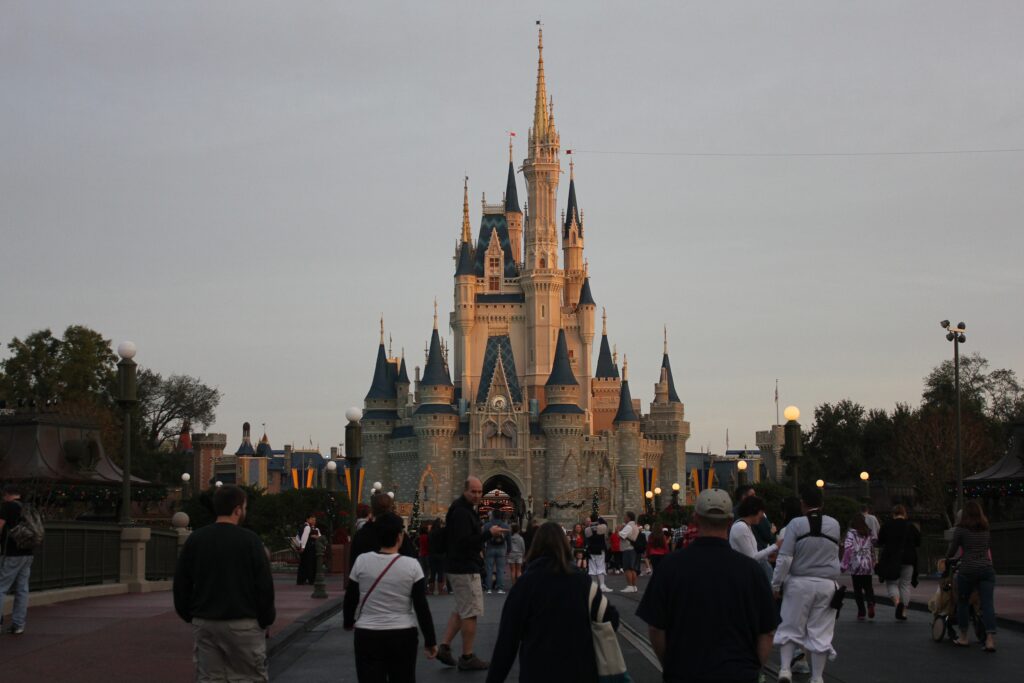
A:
(348, 482)
(295, 478)
(309, 478)
(695, 481)
(359, 488)
(648, 479)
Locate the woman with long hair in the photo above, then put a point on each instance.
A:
(972, 538)
(657, 547)
(898, 540)
(859, 562)
(546, 615)
(578, 545)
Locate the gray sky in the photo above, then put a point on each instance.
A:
(242, 188)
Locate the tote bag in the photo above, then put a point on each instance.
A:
(611, 667)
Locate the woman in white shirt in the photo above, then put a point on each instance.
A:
(741, 538)
(385, 600)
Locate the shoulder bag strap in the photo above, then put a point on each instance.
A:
(598, 604)
(379, 577)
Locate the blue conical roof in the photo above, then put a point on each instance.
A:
(383, 386)
(673, 397)
(561, 369)
(626, 413)
(572, 210)
(403, 376)
(605, 366)
(511, 196)
(435, 373)
(586, 298)
(467, 260)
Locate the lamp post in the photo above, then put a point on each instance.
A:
(792, 448)
(126, 373)
(957, 336)
(185, 479)
(741, 467)
(657, 499)
(353, 442)
(332, 475)
(865, 477)
(675, 494)
(648, 503)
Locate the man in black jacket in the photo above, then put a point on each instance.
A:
(367, 538)
(464, 544)
(224, 588)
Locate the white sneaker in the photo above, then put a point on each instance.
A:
(785, 676)
(625, 590)
(606, 589)
(489, 591)
(501, 592)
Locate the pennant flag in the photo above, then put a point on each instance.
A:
(309, 478)
(295, 478)
(348, 482)
(695, 480)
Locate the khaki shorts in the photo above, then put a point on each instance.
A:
(469, 595)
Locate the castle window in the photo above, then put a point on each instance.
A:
(543, 262)
(494, 284)
(495, 262)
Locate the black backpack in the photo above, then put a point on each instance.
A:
(640, 544)
(596, 543)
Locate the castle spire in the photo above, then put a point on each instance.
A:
(666, 366)
(436, 371)
(572, 210)
(382, 329)
(540, 113)
(604, 322)
(435, 313)
(561, 370)
(605, 364)
(625, 412)
(511, 195)
(467, 235)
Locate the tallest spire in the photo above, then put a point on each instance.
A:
(540, 105)
(467, 235)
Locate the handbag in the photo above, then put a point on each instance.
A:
(611, 667)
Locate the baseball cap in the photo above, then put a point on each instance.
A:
(714, 504)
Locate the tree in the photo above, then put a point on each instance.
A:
(42, 369)
(164, 404)
(997, 394)
(836, 440)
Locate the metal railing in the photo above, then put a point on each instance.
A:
(77, 554)
(161, 555)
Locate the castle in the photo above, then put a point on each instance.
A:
(519, 406)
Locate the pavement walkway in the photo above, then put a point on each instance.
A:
(133, 637)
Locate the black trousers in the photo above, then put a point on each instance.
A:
(386, 656)
(862, 587)
(307, 565)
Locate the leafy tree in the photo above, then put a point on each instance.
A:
(166, 403)
(78, 368)
(995, 394)
(836, 440)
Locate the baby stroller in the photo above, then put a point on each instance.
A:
(943, 606)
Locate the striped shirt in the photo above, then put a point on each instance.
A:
(975, 546)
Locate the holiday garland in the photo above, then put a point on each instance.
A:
(565, 505)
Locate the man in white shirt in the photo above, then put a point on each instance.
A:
(628, 534)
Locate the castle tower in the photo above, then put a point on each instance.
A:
(627, 447)
(435, 422)
(666, 423)
(513, 216)
(379, 416)
(402, 385)
(572, 245)
(585, 308)
(563, 422)
(464, 314)
(542, 281)
(606, 385)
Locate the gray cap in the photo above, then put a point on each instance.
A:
(714, 504)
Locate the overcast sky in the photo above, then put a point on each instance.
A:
(242, 188)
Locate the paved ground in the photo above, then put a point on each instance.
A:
(123, 637)
(138, 637)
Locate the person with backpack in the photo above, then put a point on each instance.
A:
(21, 530)
(806, 571)
(496, 531)
(596, 535)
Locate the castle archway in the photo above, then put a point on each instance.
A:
(507, 485)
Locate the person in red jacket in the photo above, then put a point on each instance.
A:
(657, 548)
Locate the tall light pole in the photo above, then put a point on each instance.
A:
(649, 495)
(741, 466)
(353, 443)
(657, 499)
(185, 488)
(126, 373)
(866, 478)
(792, 448)
(957, 336)
(675, 495)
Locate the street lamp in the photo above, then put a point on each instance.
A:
(126, 372)
(675, 494)
(332, 475)
(957, 336)
(865, 477)
(353, 442)
(792, 447)
(218, 483)
(742, 467)
(185, 479)
(820, 484)
(657, 499)
(650, 497)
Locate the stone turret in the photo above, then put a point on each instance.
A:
(572, 246)
(606, 385)
(464, 312)
(627, 446)
(563, 423)
(513, 216)
(380, 416)
(436, 420)
(667, 423)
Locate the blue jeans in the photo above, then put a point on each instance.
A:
(14, 571)
(494, 560)
(985, 582)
